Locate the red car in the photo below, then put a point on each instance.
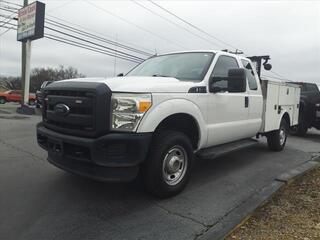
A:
(15, 96)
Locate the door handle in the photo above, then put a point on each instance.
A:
(246, 101)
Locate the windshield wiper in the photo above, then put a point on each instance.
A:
(159, 75)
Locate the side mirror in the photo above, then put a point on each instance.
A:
(120, 75)
(235, 82)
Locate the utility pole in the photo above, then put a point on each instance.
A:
(25, 67)
(30, 27)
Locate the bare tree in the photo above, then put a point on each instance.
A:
(39, 75)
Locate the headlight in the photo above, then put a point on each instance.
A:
(128, 110)
(318, 105)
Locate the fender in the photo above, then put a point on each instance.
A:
(282, 114)
(167, 108)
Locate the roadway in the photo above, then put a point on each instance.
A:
(39, 201)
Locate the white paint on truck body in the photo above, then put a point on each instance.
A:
(221, 117)
(279, 98)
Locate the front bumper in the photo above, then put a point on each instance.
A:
(112, 157)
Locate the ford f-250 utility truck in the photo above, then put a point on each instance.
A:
(161, 116)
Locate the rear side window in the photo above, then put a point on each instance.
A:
(312, 88)
(223, 65)
(250, 75)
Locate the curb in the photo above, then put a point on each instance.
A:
(244, 211)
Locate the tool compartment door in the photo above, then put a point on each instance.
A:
(271, 115)
(287, 95)
(295, 120)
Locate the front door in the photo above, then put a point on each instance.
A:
(227, 112)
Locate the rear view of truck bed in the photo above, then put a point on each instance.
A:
(279, 98)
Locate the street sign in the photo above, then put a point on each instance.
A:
(31, 22)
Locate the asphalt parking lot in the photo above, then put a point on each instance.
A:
(39, 201)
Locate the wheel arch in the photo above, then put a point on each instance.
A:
(177, 114)
(184, 123)
(286, 116)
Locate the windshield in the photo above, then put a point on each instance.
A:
(183, 66)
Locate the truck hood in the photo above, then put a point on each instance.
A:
(142, 84)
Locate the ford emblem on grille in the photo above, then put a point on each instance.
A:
(61, 109)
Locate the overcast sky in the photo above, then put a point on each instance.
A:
(289, 31)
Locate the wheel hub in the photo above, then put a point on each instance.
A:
(282, 136)
(174, 165)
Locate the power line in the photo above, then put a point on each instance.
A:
(82, 39)
(10, 18)
(6, 31)
(88, 47)
(93, 36)
(15, 4)
(192, 25)
(8, 10)
(199, 29)
(79, 26)
(74, 23)
(137, 26)
(6, 16)
(78, 44)
(285, 79)
(9, 27)
(172, 22)
(60, 6)
(281, 77)
(96, 37)
(120, 54)
(7, 23)
(278, 74)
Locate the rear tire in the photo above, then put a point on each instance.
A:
(2, 100)
(277, 139)
(167, 170)
(302, 128)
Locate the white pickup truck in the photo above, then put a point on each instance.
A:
(163, 115)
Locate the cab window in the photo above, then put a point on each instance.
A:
(252, 82)
(223, 65)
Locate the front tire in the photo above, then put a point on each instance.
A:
(167, 170)
(277, 139)
(2, 100)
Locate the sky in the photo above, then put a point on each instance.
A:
(288, 31)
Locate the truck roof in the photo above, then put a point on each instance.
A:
(208, 51)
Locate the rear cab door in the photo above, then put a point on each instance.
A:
(255, 97)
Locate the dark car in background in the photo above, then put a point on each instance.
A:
(309, 108)
(39, 93)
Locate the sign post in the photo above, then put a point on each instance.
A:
(30, 27)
